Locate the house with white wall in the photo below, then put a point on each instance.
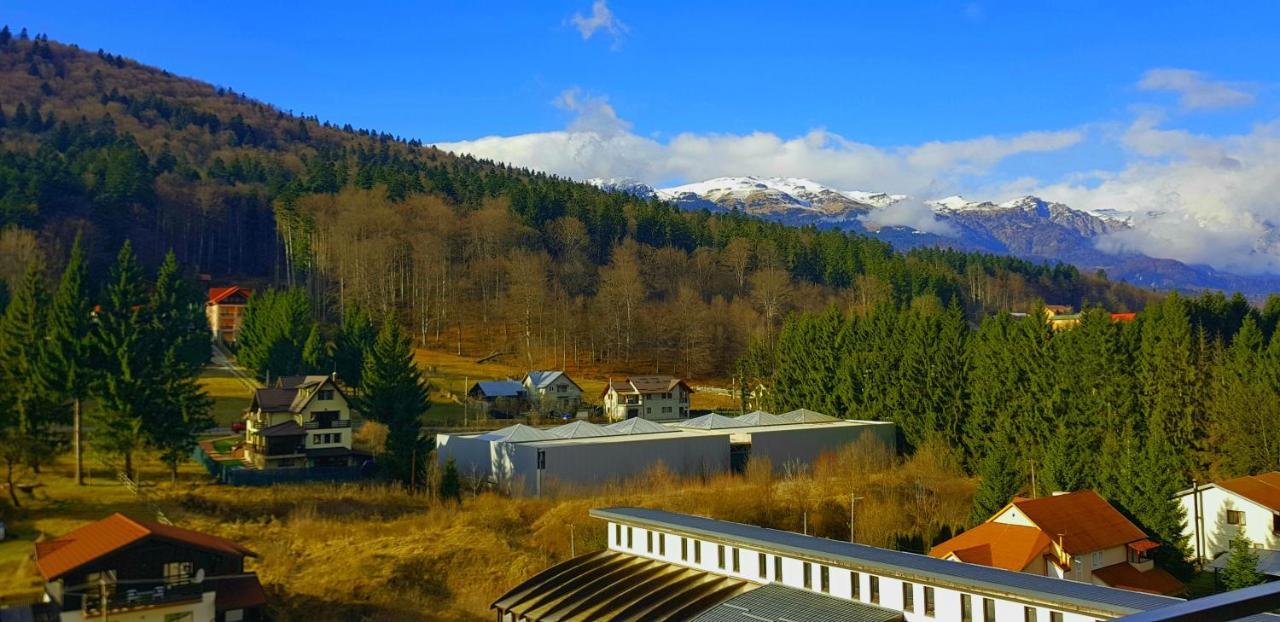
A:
(552, 392)
(649, 397)
(1076, 536)
(1218, 511)
(303, 421)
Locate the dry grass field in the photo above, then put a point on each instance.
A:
(372, 552)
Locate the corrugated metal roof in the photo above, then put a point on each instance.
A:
(804, 415)
(1268, 562)
(500, 388)
(760, 417)
(711, 421)
(1061, 594)
(580, 429)
(518, 433)
(543, 379)
(636, 425)
(778, 603)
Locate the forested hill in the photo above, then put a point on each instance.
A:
(470, 253)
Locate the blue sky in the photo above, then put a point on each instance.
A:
(1132, 106)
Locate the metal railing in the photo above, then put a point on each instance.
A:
(1232, 605)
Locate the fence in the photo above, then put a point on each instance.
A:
(236, 475)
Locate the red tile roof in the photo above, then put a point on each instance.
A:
(1001, 545)
(1263, 489)
(1123, 317)
(646, 384)
(1084, 520)
(1124, 576)
(218, 294)
(59, 556)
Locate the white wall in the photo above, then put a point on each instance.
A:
(946, 601)
(1217, 533)
(585, 463)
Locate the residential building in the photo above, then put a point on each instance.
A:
(1218, 511)
(552, 392)
(697, 568)
(499, 398)
(303, 421)
(651, 397)
(1076, 536)
(128, 570)
(225, 311)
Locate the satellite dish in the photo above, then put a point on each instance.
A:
(199, 578)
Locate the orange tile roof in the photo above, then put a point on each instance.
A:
(1084, 520)
(1001, 545)
(1123, 317)
(61, 555)
(1263, 489)
(217, 294)
(1124, 576)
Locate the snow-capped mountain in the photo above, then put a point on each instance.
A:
(1028, 227)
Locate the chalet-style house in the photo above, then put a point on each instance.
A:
(303, 421)
(552, 392)
(225, 311)
(1218, 511)
(649, 397)
(124, 569)
(498, 398)
(1076, 536)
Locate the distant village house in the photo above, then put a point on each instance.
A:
(225, 311)
(303, 421)
(650, 397)
(552, 392)
(499, 398)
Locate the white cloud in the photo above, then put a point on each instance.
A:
(910, 212)
(597, 143)
(601, 19)
(1195, 90)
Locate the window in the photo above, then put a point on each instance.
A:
(1235, 517)
(764, 567)
(875, 588)
(908, 597)
(1055, 616)
(697, 552)
(1028, 614)
(684, 549)
(988, 610)
(235, 615)
(617, 534)
(1275, 523)
(629, 539)
(720, 555)
(560, 388)
(808, 576)
(928, 601)
(666, 409)
(1097, 559)
(736, 566)
(662, 544)
(315, 439)
(326, 394)
(855, 585)
(966, 608)
(777, 568)
(648, 541)
(177, 573)
(824, 579)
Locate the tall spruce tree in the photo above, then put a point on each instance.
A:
(124, 388)
(69, 349)
(1002, 476)
(355, 340)
(23, 334)
(395, 395)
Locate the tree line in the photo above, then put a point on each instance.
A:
(1135, 410)
(133, 347)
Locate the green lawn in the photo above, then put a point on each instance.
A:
(230, 394)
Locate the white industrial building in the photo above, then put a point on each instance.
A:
(662, 566)
(526, 460)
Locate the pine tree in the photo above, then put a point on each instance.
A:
(450, 482)
(22, 335)
(315, 352)
(69, 350)
(1001, 479)
(1157, 481)
(353, 344)
(1242, 564)
(395, 395)
(123, 388)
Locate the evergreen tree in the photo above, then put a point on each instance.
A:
(1157, 481)
(1242, 564)
(354, 342)
(395, 395)
(69, 349)
(1170, 383)
(1001, 479)
(123, 387)
(450, 482)
(274, 332)
(23, 332)
(315, 352)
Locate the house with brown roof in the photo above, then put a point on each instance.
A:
(225, 311)
(303, 421)
(123, 569)
(649, 397)
(1076, 536)
(1218, 511)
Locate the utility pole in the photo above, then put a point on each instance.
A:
(853, 500)
(1033, 478)
(572, 541)
(804, 525)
